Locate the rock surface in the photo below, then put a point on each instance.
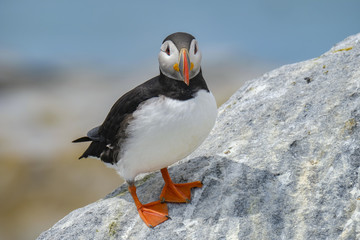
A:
(282, 162)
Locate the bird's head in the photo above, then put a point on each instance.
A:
(180, 57)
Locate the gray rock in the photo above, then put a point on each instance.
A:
(282, 162)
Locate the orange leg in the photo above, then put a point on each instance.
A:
(152, 213)
(176, 192)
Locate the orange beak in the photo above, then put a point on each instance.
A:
(184, 65)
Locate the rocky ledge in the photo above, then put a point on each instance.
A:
(282, 162)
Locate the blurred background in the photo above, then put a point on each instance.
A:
(64, 63)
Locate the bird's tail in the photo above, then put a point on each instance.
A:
(94, 150)
(82, 139)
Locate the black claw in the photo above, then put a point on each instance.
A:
(168, 217)
(162, 200)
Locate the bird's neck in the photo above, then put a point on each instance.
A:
(195, 84)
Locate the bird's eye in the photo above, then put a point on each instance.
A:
(195, 49)
(167, 50)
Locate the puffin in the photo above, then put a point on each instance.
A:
(158, 123)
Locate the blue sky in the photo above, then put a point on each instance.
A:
(122, 33)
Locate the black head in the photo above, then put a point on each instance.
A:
(180, 39)
(180, 57)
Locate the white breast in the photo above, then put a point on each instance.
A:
(165, 131)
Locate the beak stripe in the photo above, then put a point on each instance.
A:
(186, 69)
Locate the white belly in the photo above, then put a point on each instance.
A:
(165, 131)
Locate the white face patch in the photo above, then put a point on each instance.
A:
(195, 58)
(169, 56)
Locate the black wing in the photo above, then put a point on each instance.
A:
(106, 137)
